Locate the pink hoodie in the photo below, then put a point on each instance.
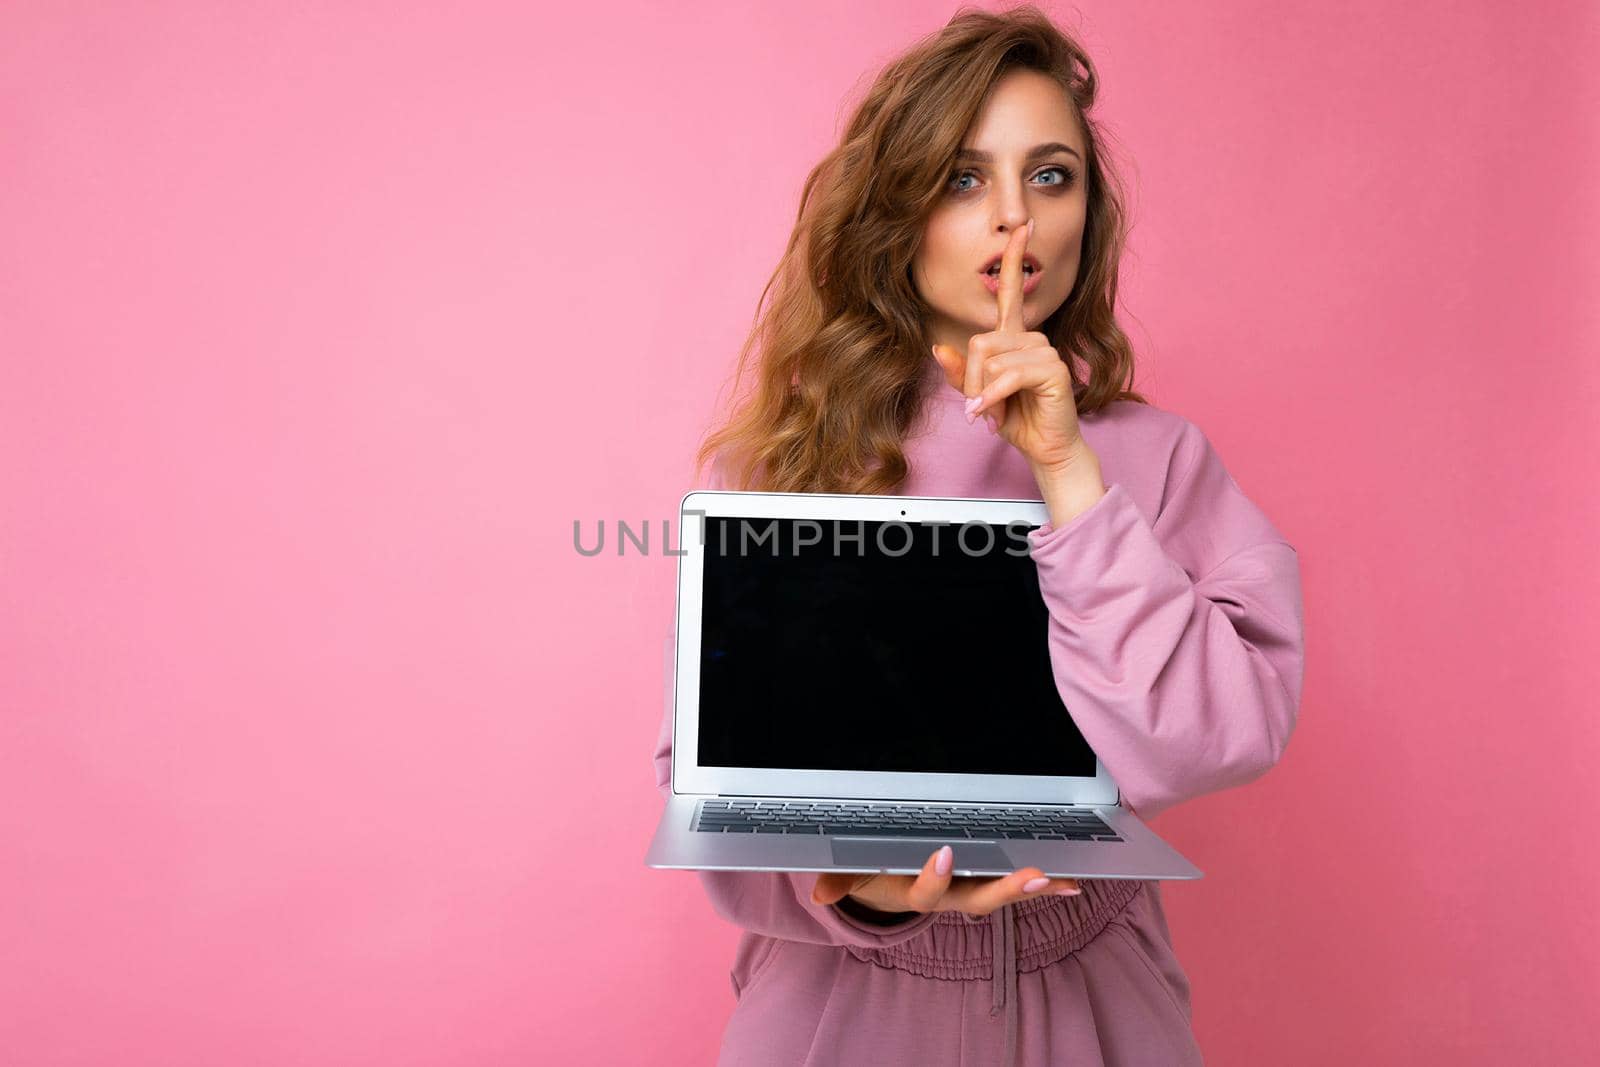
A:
(1177, 639)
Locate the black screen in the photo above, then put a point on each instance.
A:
(859, 645)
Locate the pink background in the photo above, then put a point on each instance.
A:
(321, 327)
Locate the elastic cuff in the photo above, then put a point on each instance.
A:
(873, 935)
(872, 917)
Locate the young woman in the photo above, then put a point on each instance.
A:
(943, 326)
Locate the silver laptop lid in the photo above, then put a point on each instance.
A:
(875, 647)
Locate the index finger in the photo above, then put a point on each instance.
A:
(1010, 294)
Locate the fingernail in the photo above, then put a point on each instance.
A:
(1030, 227)
(972, 406)
(993, 426)
(1068, 891)
(944, 861)
(1035, 885)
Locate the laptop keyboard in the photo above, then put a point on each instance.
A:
(899, 820)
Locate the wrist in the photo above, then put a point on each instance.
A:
(1072, 487)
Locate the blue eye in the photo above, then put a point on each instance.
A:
(1067, 175)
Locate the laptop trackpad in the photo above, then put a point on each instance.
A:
(866, 852)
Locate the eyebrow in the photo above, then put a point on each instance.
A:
(1036, 152)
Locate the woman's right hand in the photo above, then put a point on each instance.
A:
(935, 890)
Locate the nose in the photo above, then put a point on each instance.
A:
(1010, 209)
(1010, 202)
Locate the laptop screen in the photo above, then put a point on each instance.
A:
(863, 645)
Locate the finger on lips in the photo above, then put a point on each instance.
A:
(1008, 303)
(1009, 320)
(1010, 295)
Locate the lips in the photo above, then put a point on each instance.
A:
(1028, 260)
(1030, 282)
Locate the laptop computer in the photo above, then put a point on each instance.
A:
(862, 679)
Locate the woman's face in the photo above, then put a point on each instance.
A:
(1022, 158)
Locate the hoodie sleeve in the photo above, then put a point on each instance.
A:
(773, 903)
(1178, 644)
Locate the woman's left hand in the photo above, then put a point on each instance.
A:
(1017, 378)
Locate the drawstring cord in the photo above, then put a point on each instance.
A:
(1004, 981)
